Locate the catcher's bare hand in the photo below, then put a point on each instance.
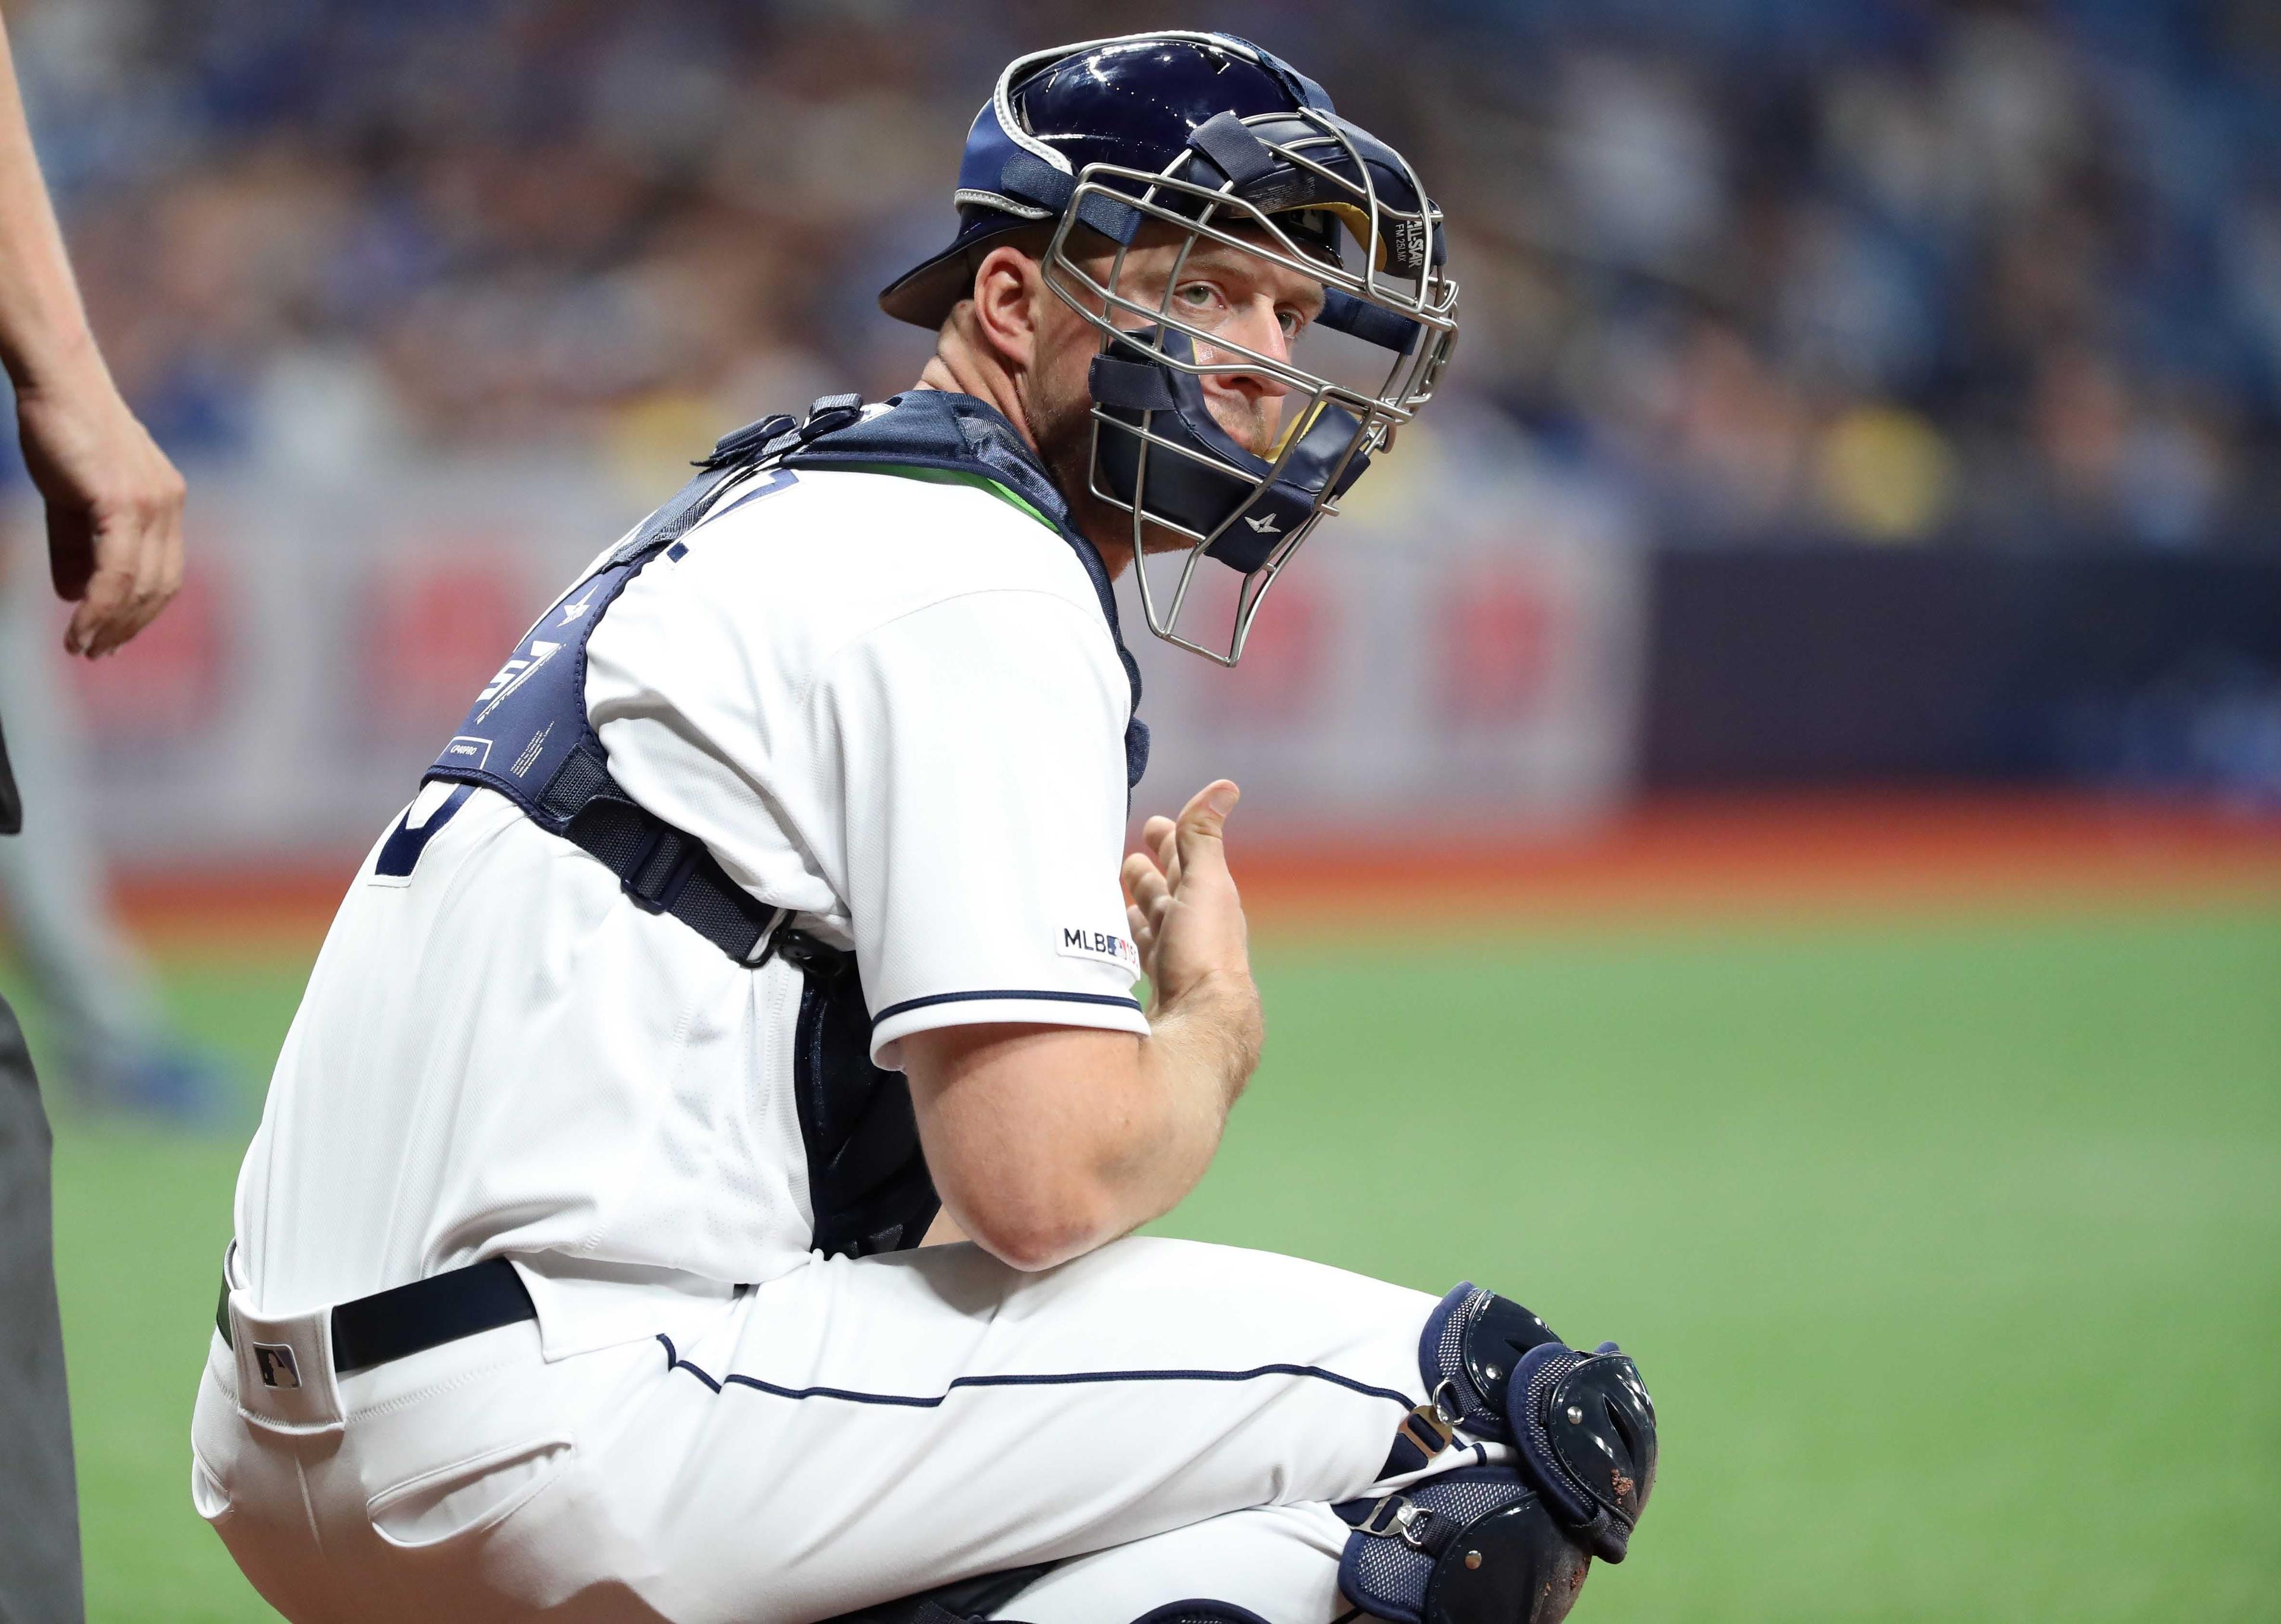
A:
(1185, 917)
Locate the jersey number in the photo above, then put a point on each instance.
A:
(400, 853)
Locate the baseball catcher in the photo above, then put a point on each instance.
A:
(698, 1182)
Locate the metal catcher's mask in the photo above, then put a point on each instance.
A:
(1213, 140)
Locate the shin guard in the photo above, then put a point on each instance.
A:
(1472, 1546)
(1505, 1544)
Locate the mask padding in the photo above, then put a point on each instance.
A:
(1212, 483)
(1343, 313)
(1133, 386)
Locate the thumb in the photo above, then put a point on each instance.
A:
(1203, 823)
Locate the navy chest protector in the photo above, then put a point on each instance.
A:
(527, 736)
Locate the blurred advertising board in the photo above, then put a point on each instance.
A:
(1460, 652)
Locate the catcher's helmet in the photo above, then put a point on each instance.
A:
(1225, 143)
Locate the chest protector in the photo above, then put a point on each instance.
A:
(527, 736)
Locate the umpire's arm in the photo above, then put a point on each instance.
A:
(1046, 1141)
(114, 503)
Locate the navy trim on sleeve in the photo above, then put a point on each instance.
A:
(1009, 996)
(1078, 1378)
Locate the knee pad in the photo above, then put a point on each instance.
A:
(1473, 1342)
(1505, 1544)
(1583, 1423)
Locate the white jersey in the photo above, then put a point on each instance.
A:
(890, 703)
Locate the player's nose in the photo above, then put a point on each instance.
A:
(1258, 326)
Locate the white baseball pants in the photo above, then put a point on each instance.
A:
(850, 1432)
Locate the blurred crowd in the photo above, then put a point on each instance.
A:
(1891, 269)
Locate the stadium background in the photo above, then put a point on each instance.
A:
(1763, 829)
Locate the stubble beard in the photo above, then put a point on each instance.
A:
(1063, 429)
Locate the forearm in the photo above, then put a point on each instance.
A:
(1191, 1070)
(44, 331)
(114, 503)
(1046, 1143)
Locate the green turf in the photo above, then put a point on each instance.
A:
(1951, 1251)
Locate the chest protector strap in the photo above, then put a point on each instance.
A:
(527, 736)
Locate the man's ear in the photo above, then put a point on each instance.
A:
(1006, 288)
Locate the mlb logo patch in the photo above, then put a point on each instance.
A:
(278, 1369)
(1100, 945)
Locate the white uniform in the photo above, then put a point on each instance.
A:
(894, 705)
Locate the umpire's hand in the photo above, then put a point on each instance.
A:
(114, 504)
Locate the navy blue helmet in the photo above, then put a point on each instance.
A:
(1208, 138)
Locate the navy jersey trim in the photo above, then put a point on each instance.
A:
(958, 433)
(1080, 1377)
(400, 855)
(1007, 995)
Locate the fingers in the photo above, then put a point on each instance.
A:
(1146, 884)
(1156, 835)
(137, 550)
(114, 506)
(109, 592)
(1203, 822)
(1152, 877)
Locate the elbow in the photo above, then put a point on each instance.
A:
(1036, 1229)
(1030, 1248)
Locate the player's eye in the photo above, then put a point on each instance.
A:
(1200, 297)
(1292, 320)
